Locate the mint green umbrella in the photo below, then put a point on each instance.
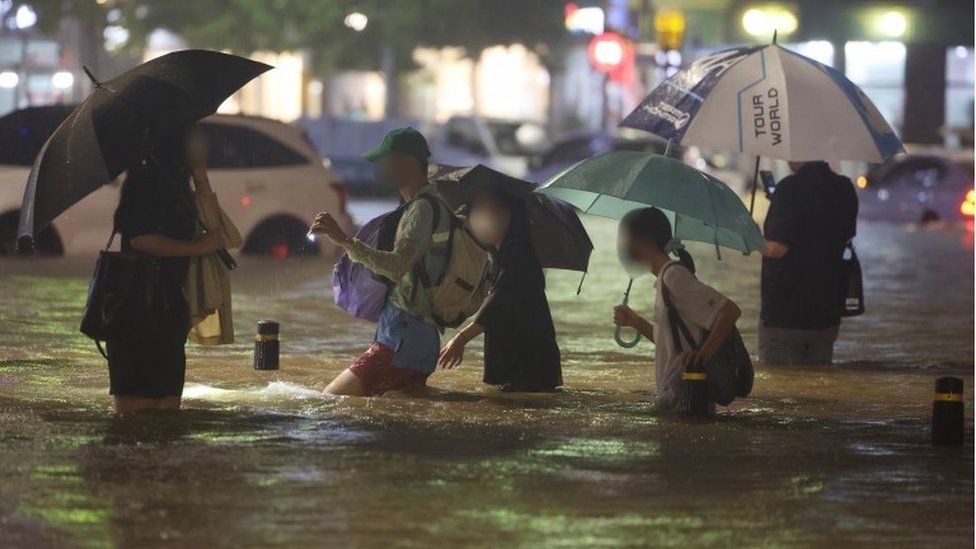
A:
(700, 207)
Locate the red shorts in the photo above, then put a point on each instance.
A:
(376, 370)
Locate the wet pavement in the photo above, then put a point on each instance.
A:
(816, 457)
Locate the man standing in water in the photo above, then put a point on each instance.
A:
(812, 215)
(405, 348)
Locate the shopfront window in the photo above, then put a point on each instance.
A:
(959, 88)
(879, 69)
(818, 50)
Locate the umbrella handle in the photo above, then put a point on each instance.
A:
(617, 336)
(226, 258)
(618, 332)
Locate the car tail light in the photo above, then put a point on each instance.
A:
(967, 207)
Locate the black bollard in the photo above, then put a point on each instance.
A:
(948, 422)
(694, 399)
(266, 346)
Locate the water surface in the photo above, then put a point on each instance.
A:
(818, 456)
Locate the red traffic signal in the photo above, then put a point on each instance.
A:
(610, 53)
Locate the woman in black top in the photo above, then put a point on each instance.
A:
(521, 353)
(147, 364)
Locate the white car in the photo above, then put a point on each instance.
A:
(505, 145)
(268, 178)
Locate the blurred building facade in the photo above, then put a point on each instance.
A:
(914, 59)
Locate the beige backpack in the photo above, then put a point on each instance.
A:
(456, 270)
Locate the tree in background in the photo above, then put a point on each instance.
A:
(394, 30)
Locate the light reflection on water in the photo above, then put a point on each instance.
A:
(817, 456)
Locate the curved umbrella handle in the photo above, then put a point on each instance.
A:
(626, 344)
(618, 333)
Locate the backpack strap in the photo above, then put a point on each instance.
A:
(678, 326)
(433, 265)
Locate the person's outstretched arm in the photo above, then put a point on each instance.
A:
(412, 238)
(453, 353)
(158, 245)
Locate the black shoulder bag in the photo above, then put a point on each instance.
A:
(119, 280)
(729, 373)
(852, 284)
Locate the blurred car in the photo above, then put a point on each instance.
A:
(926, 185)
(343, 141)
(505, 145)
(269, 179)
(575, 147)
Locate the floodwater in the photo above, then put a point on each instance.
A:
(816, 457)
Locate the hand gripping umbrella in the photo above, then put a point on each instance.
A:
(122, 121)
(767, 101)
(700, 207)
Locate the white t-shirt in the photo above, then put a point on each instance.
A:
(698, 304)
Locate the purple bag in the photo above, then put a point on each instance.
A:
(357, 290)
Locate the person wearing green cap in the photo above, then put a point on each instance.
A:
(407, 341)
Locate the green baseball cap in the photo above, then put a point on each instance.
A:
(401, 141)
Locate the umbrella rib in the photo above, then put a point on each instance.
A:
(687, 91)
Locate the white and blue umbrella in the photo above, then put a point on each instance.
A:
(767, 101)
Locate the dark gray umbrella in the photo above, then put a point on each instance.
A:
(558, 236)
(122, 121)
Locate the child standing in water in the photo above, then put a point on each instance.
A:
(648, 241)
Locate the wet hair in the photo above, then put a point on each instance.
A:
(167, 168)
(651, 225)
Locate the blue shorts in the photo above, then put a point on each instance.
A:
(415, 343)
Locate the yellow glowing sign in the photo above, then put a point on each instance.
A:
(862, 182)
(763, 21)
(670, 27)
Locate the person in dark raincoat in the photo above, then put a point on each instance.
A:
(521, 353)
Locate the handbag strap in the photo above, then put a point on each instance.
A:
(678, 326)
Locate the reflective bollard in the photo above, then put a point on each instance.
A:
(266, 346)
(948, 409)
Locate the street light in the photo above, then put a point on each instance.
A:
(356, 21)
(764, 21)
(62, 80)
(892, 24)
(9, 79)
(25, 17)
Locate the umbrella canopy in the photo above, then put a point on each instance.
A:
(700, 207)
(767, 101)
(558, 236)
(122, 121)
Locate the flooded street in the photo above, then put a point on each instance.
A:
(819, 456)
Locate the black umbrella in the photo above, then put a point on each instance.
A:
(558, 236)
(122, 121)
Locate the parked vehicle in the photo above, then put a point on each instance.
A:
(926, 185)
(342, 142)
(505, 145)
(581, 145)
(268, 178)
